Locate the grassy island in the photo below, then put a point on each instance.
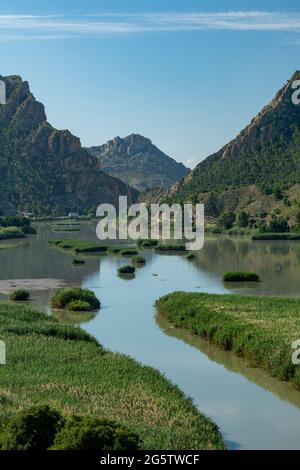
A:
(261, 329)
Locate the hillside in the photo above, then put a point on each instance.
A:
(45, 170)
(139, 163)
(258, 169)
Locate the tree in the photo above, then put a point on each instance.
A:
(227, 219)
(279, 225)
(243, 219)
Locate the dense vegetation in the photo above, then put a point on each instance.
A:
(41, 428)
(161, 247)
(7, 233)
(138, 260)
(126, 269)
(72, 298)
(262, 329)
(19, 294)
(142, 243)
(50, 362)
(264, 157)
(276, 236)
(240, 277)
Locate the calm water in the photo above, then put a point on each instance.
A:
(252, 410)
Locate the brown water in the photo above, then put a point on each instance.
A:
(253, 410)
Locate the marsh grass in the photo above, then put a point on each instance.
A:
(19, 295)
(276, 236)
(61, 365)
(237, 276)
(128, 252)
(146, 243)
(177, 248)
(8, 233)
(126, 269)
(261, 329)
(138, 261)
(72, 298)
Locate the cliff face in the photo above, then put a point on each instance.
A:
(43, 169)
(265, 153)
(139, 163)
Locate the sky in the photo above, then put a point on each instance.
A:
(188, 74)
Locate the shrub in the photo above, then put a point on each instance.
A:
(28, 230)
(243, 219)
(226, 220)
(63, 297)
(7, 233)
(279, 225)
(169, 247)
(126, 269)
(146, 243)
(32, 429)
(190, 256)
(138, 260)
(79, 306)
(19, 294)
(128, 252)
(93, 434)
(114, 249)
(78, 261)
(240, 277)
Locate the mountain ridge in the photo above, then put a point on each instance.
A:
(135, 160)
(266, 154)
(45, 170)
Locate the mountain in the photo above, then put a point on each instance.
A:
(45, 170)
(137, 162)
(255, 170)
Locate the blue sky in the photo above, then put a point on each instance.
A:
(187, 74)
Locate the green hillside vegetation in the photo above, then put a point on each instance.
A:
(258, 171)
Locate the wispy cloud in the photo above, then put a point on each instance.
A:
(57, 26)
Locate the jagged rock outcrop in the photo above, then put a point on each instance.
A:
(139, 163)
(45, 170)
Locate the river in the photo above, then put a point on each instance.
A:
(252, 409)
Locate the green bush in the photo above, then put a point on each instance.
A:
(138, 260)
(28, 230)
(128, 252)
(240, 277)
(79, 306)
(19, 294)
(227, 219)
(6, 233)
(78, 261)
(146, 243)
(190, 256)
(63, 297)
(126, 269)
(169, 247)
(93, 434)
(115, 249)
(31, 429)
